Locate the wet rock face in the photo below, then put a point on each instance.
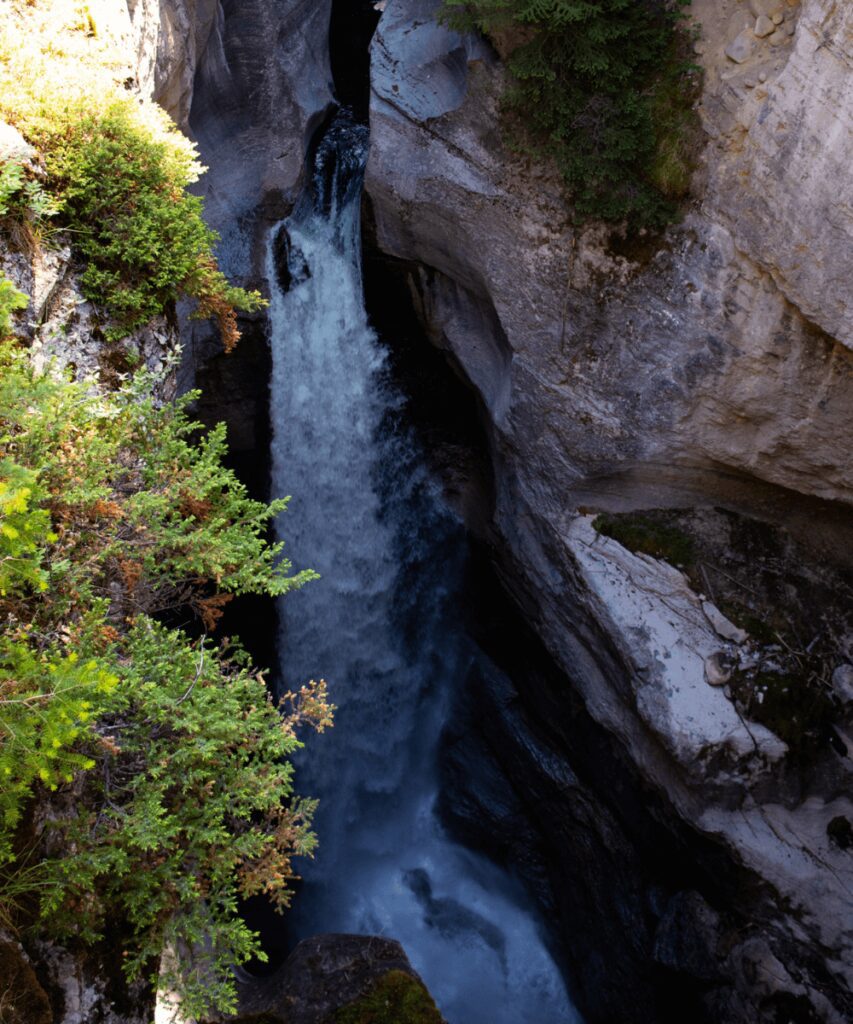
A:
(710, 366)
(261, 89)
(262, 86)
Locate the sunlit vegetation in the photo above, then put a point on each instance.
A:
(145, 776)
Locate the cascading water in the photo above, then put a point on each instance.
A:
(380, 626)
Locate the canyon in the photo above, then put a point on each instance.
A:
(708, 368)
(687, 857)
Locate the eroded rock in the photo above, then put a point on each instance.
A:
(14, 148)
(719, 668)
(708, 367)
(742, 47)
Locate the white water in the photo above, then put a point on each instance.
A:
(380, 626)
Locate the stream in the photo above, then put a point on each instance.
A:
(383, 627)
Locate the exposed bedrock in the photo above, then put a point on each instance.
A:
(262, 86)
(331, 977)
(168, 39)
(709, 367)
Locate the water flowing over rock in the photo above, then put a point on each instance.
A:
(262, 89)
(380, 624)
(711, 366)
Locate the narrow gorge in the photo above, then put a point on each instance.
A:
(578, 494)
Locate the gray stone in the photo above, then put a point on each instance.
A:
(721, 625)
(322, 975)
(766, 7)
(779, 37)
(742, 47)
(687, 937)
(842, 683)
(763, 26)
(420, 67)
(14, 147)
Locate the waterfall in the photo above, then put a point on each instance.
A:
(382, 626)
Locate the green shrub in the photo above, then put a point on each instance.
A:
(116, 173)
(123, 194)
(22, 195)
(11, 300)
(156, 760)
(185, 815)
(588, 75)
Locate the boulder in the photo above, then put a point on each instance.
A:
(331, 974)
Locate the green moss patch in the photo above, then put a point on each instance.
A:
(397, 998)
(795, 706)
(648, 536)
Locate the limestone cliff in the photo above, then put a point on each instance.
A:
(262, 88)
(708, 368)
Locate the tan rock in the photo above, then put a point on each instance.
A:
(718, 668)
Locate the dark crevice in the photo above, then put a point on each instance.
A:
(441, 407)
(351, 28)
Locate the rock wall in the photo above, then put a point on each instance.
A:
(262, 88)
(152, 45)
(711, 367)
(169, 38)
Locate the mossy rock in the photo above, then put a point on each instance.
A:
(792, 599)
(396, 998)
(641, 534)
(798, 710)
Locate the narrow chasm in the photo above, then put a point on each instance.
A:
(629, 901)
(350, 429)
(382, 624)
(469, 808)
